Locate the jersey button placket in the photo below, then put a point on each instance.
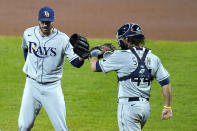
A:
(39, 69)
(40, 64)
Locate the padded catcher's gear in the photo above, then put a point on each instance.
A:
(141, 72)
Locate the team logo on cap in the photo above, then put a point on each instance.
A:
(46, 13)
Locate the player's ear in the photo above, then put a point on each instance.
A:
(126, 42)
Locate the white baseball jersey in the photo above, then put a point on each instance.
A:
(45, 57)
(124, 62)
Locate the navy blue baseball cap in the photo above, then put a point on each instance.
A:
(46, 14)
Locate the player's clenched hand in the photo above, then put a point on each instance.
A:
(166, 113)
(96, 51)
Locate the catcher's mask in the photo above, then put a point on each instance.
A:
(128, 30)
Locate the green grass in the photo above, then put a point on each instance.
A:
(91, 97)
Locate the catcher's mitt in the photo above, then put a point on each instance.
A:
(80, 45)
(101, 49)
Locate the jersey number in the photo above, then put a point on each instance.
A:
(144, 80)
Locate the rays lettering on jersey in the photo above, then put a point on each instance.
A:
(41, 52)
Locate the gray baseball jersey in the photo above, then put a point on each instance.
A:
(125, 62)
(43, 67)
(133, 104)
(45, 57)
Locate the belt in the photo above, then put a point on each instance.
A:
(129, 99)
(136, 99)
(31, 78)
(41, 82)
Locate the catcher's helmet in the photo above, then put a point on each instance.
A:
(128, 30)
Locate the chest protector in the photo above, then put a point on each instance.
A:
(142, 73)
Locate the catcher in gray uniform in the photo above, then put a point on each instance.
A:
(44, 50)
(136, 68)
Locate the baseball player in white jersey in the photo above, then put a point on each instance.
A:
(44, 50)
(136, 67)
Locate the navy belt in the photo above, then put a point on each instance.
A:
(136, 99)
(41, 82)
(31, 77)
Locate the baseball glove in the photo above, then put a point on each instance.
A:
(80, 45)
(101, 49)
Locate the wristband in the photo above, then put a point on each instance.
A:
(94, 54)
(168, 107)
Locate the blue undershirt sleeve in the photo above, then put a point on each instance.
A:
(98, 68)
(164, 82)
(77, 63)
(25, 51)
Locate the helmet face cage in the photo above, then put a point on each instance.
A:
(129, 29)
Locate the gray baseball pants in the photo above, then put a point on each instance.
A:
(48, 95)
(132, 115)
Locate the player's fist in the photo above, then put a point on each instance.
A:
(166, 114)
(96, 51)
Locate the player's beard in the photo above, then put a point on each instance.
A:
(46, 30)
